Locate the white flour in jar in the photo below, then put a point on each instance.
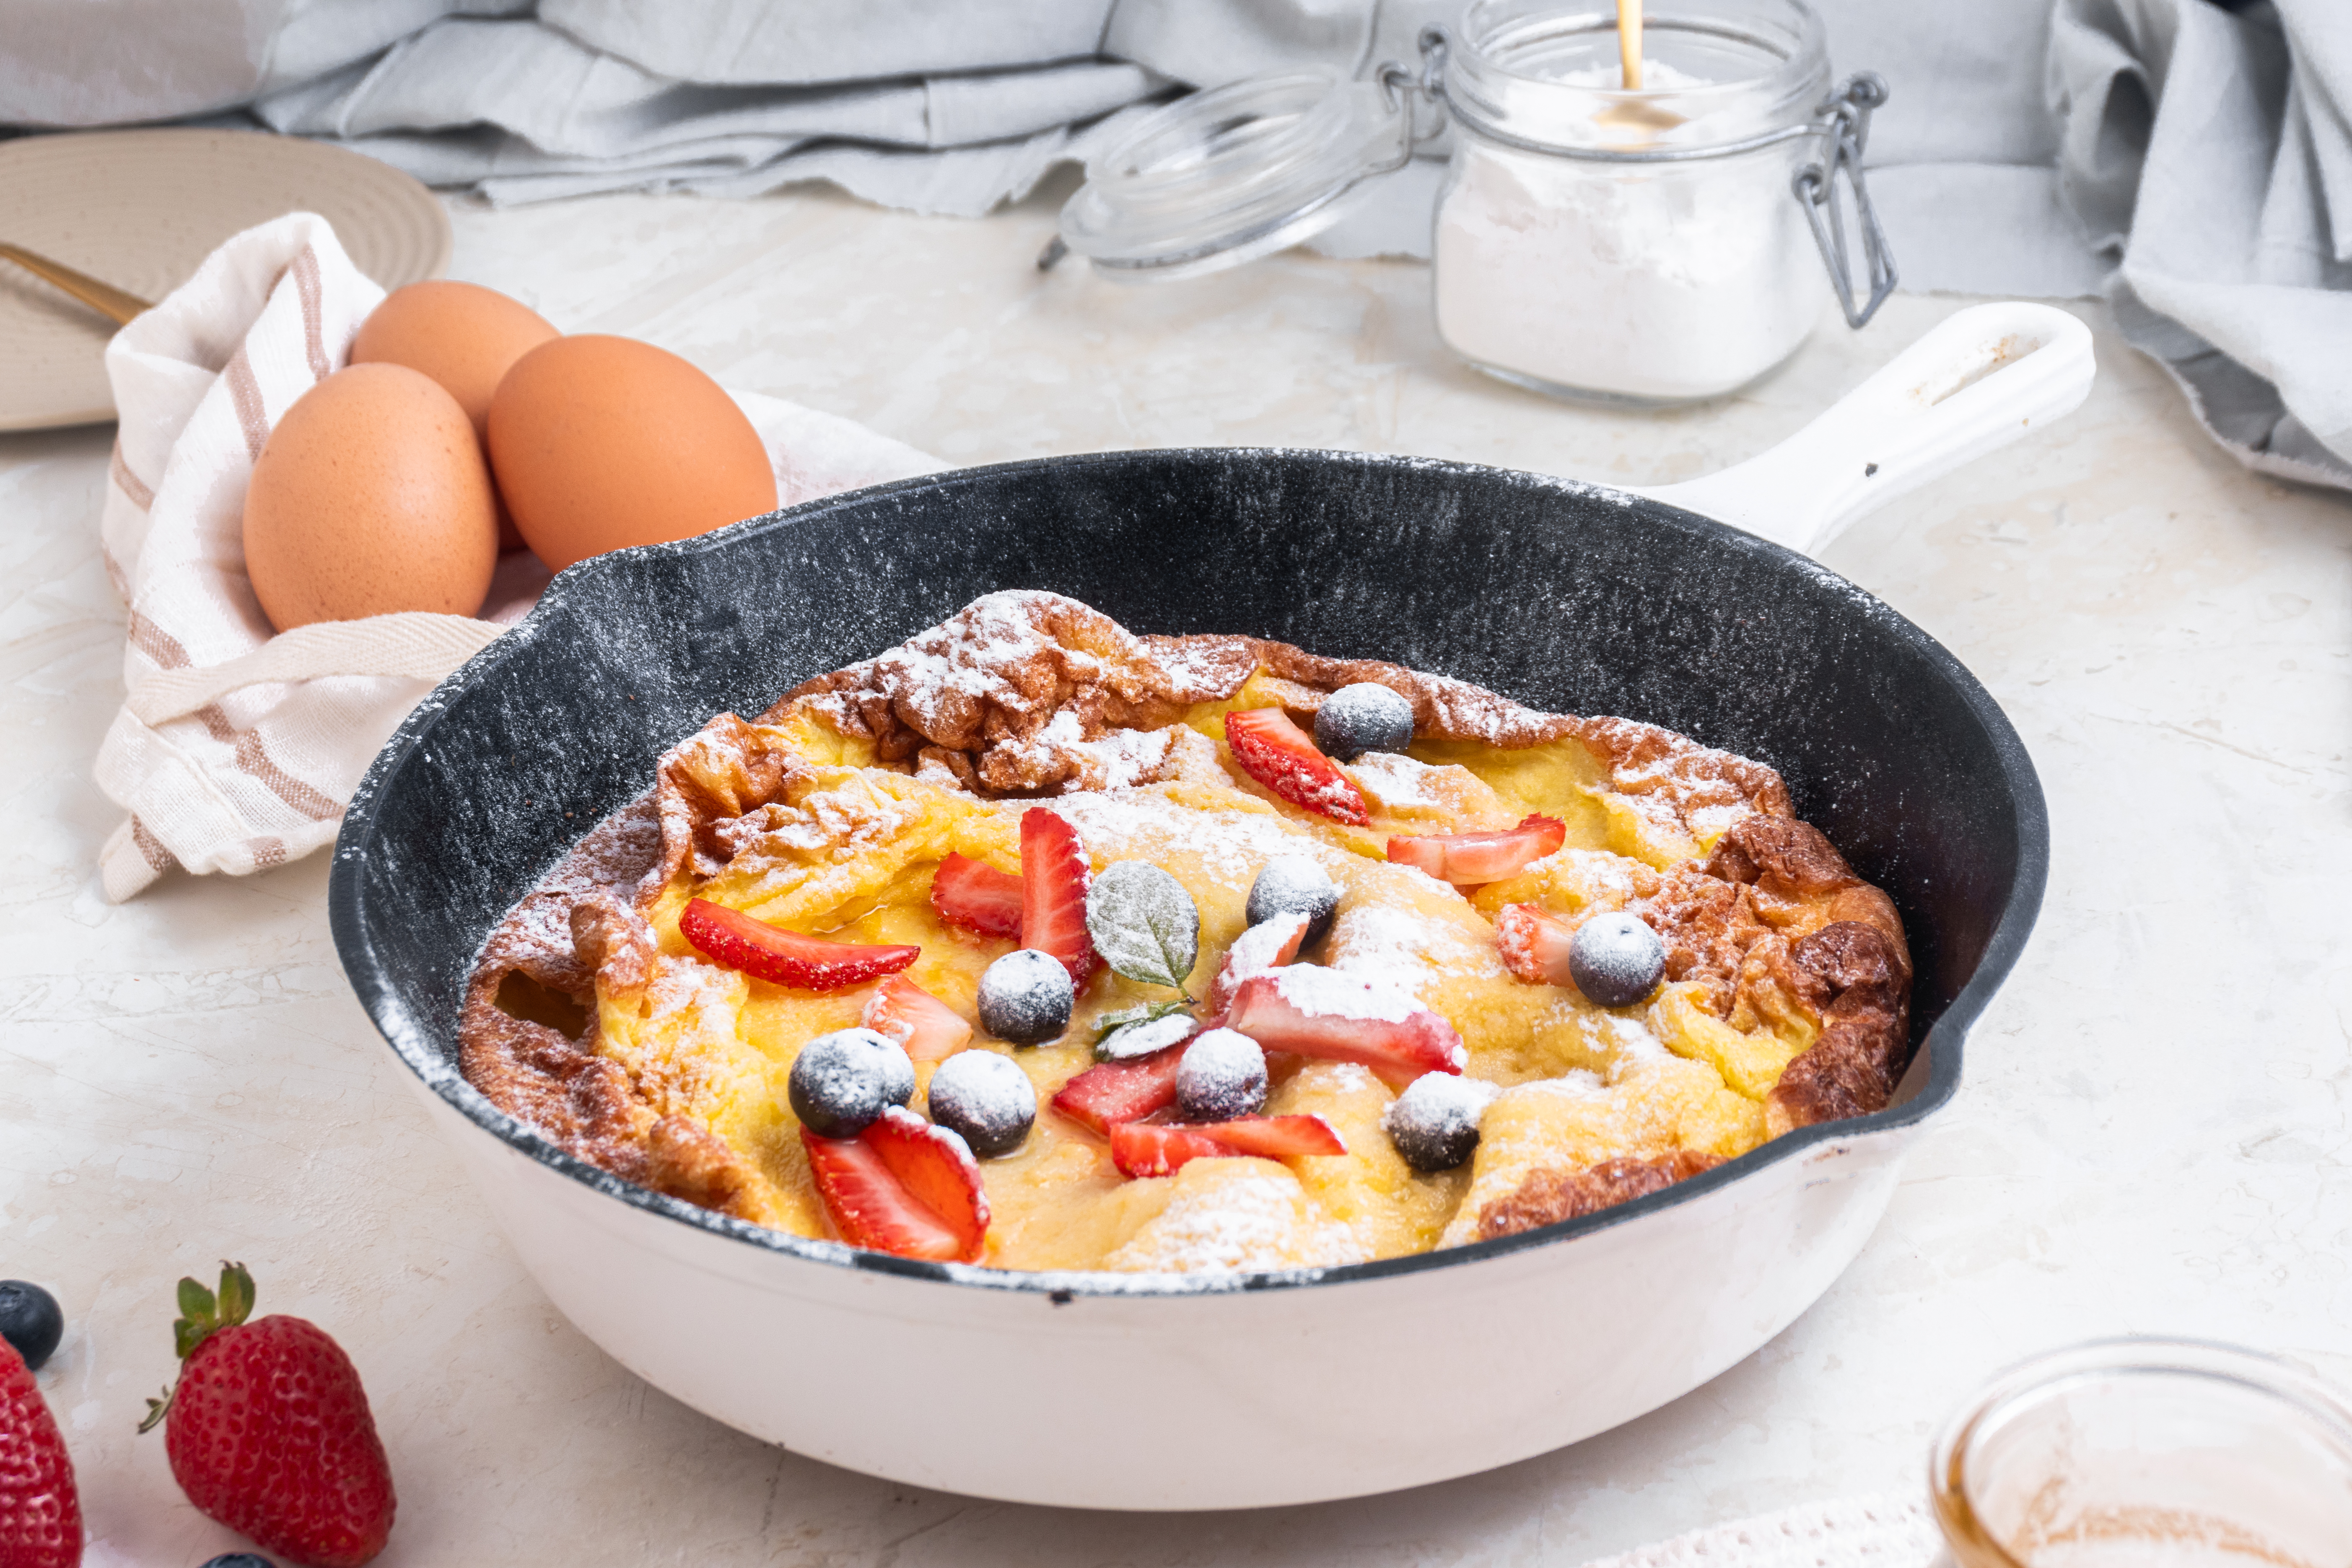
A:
(1653, 281)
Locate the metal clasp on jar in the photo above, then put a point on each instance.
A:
(1842, 123)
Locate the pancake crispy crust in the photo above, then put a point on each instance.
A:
(1554, 1197)
(1785, 1001)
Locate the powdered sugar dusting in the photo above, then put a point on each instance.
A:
(1124, 758)
(1230, 845)
(973, 659)
(1577, 1083)
(1631, 1040)
(1377, 939)
(1253, 1218)
(1392, 779)
(1473, 713)
(1259, 949)
(1332, 993)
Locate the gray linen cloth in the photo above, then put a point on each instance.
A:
(2191, 161)
(936, 106)
(2210, 155)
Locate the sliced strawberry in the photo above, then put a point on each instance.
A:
(1269, 944)
(1534, 944)
(1283, 757)
(903, 1187)
(786, 957)
(978, 897)
(1053, 881)
(929, 1029)
(1467, 859)
(1276, 1137)
(1101, 1098)
(1338, 1017)
(1151, 1148)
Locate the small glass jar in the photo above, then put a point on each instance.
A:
(1648, 247)
(2147, 1454)
(1602, 243)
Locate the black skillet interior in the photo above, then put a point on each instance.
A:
(1566, 598)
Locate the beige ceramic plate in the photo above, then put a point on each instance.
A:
(141, 208)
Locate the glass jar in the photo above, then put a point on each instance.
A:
(2147, 1454)
(1629, 246)
(1651, 245)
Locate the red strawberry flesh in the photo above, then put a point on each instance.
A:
(937, 1170)
(1103, 1097)
(1468, 860)
(40, 1512)
(929, 1029)
(1284, 759)
(901, 1186)
(786, 957)
(1151, 1148)
(269, 1433)
(1269, 944)
(978, 897)
(1534, 944)
(1276, 1137)
(1328, 1020)
(1053, 883)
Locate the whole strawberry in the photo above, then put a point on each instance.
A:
(40, 1516)
(269, 1430)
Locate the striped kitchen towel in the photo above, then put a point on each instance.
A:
(1852, 1533)
(236, 750)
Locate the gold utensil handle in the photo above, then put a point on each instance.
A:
(103, 298)
(1629, 43)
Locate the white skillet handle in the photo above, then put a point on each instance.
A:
(1978, 382)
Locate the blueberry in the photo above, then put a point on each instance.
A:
(984, 1099)
(1435, 1122)
(1221, 1074)
(1292, 884)
(31, 1321)
(1026, 997)
(239, 1560)
(843, 1081)
(1615, 960)
(1362, 718)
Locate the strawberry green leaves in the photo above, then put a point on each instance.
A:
(204, 1314)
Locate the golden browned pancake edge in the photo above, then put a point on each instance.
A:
(1013, 698)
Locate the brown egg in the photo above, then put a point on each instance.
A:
(462, 335)
(371, 497)
(600, 443)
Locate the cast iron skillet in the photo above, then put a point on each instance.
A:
(1565, 597)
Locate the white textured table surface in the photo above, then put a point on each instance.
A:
(2155, 1134)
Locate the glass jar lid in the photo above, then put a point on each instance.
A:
(1233, 174)
(1719, 74)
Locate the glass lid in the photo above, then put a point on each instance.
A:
(1237, 173)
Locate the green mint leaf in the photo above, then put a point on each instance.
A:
(1143, 923)
(1139, 1031)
